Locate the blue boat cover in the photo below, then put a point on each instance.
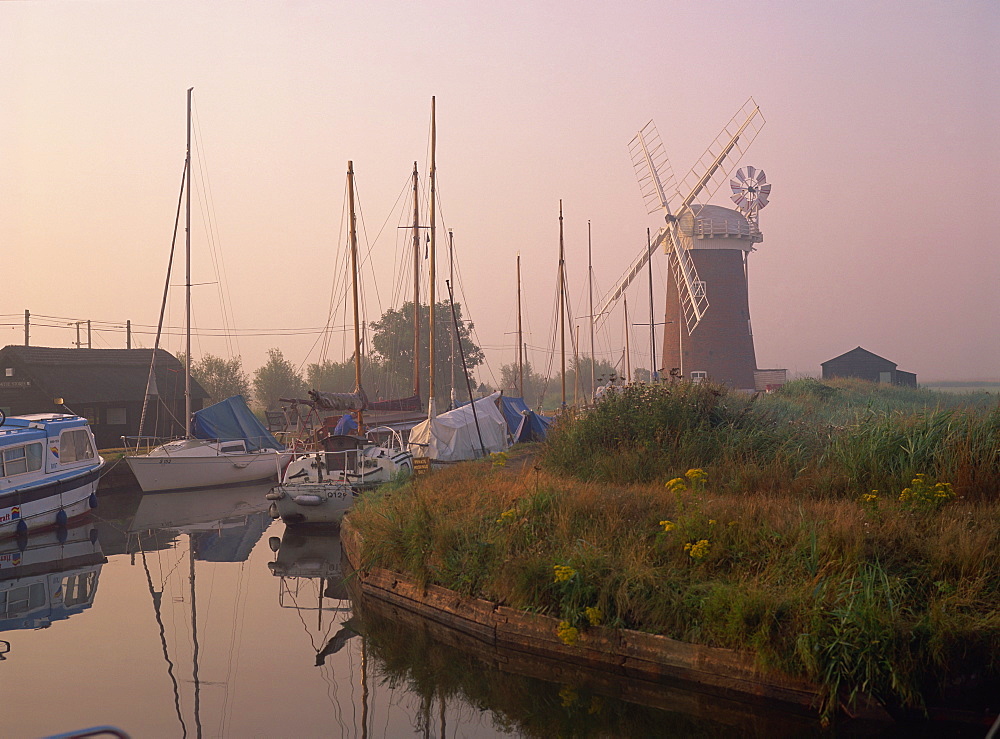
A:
(523, 424)
(232, 419)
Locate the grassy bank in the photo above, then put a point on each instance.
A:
(751, 525)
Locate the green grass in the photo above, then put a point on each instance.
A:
(783, 551)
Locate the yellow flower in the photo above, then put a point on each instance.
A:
(696, 475)
(667, 525)
(698, 550)
(711, 522)
(507, 515)
(567, 634)
(568, 696)
(563, 573)
(499, 459)
(594, 615)
(677, 485)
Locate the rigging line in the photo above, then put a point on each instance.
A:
(475, 331)
(163, 635)
(166, 292)
(339, 272)
(212, 228)
(367, 256)
(239, 624)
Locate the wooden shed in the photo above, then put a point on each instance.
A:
(106, 386)
(865, 365)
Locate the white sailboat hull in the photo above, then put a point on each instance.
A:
(192, 463)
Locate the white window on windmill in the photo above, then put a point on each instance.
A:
(10, 372)
(699, 288)
(698, 376)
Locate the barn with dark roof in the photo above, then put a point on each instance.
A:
(867, 366)
(106, 386)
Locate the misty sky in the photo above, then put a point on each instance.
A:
(882, 143)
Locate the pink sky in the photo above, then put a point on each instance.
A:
(882, 143)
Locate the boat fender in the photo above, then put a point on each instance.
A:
(22, 527)
(273, 510)
(275, 495)
(92, 500)
(61, 519)
(275, 543)
(93, 536)
(307, 499)
(62, 534)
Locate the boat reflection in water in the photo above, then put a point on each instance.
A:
(47, 577)
(309, 565)
(219, 525)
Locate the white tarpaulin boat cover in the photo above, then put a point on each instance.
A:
(452, 437)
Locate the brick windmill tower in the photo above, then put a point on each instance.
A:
(707, 248)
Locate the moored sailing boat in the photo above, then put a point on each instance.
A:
(246, 452)
(319, 487)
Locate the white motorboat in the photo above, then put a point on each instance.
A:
(49, 469)
(48, 577)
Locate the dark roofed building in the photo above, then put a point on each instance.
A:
(865, 365)
(106, 386)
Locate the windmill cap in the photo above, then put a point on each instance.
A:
(708, 225)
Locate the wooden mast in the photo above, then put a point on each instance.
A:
(520, 339)
(576, 367)
(451, 281)
(187, 278)
(590, 288)
(431, 408)
(562, 308)
(354, 287)
(416, 284)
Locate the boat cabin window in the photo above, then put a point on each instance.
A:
(19, 601)
(21, 459)
(234, 446)
(79, 589)
(75, 446)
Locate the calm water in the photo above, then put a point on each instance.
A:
(172, 615)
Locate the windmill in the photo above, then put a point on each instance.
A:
(706, 247)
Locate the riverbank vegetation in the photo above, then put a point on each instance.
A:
(845, 533)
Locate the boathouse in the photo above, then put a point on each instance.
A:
(864, 364)
(105, 386)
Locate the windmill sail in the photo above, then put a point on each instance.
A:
(657, 184)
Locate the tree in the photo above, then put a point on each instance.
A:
(339, 377)
(392, 346)
(640, 374)
(276, 379)
(534, 383)
(221, 378)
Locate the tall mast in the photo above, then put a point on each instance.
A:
(520, 339)
(416, 284)
(431, 409)
(187, 278)
(653, 374)
(628, 352)
(562, 309)
(590, 287)
(576, 367)
(354, 285)
(451, 281)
